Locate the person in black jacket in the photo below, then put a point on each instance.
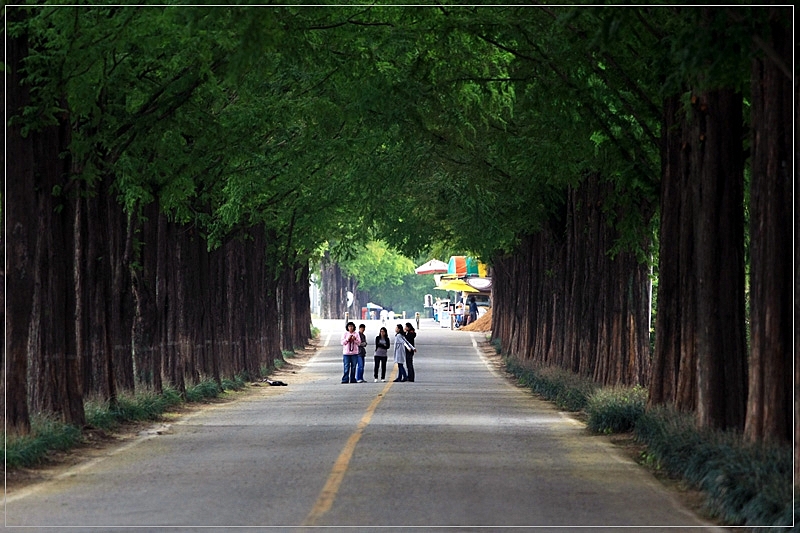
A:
(473, 310)
(411, 334)
(362, 353)
(382, 344)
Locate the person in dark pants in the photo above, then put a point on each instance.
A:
(411, 334)
(473, 310)
(362, 353)
(400, 347)
(382, 344)
(350, 342)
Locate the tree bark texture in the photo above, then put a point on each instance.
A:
(334, 289)
(769, 403)
(562, 300)
(718, 166)
(700, 360)
(53, 367)
(105, 301)
(295, 305)
(19, 227)
(675, 317)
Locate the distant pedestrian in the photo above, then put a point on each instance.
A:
(382, 344)
(400, 352)
(350, 342)
(459, 315)
(362, 353)
(410, 334)
(473, 310)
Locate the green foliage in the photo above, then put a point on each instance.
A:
(422, 124)
(47, 434)
(498, 346)
(204, 390)
(142, 405)
(236, 383)
(567, 390)
(615, 409)
(745, 484)
(376, 267)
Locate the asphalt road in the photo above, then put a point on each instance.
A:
(460, 449)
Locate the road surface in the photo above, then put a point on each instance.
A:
(461, 448)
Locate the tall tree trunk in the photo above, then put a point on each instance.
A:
(769, 400)
(120, 296)
(797, 310)
(98, 375)
(719, 260)
(53, 373)
(285, 316)
(686, 399)
(302, 298)
(144, 269)
(666, 357)
(562, 300)
(19, 210)
(674, 377)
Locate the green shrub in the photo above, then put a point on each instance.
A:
(237, 383)
(208, 388)
(145, 405)
(569, 391)
(140, 406)
(49, 434)
(46, 434)
(171, 396)
(99, 416)
(315, 331)
(745, 484)
(615, 409)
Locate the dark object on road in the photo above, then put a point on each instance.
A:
(274, 382)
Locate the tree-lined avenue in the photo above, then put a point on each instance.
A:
(461, 447)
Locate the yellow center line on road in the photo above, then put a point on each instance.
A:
(331, 488)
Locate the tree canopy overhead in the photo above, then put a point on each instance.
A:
(400, 119)
(293, 128)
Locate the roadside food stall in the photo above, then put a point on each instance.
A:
(463, 275)
(458, 286)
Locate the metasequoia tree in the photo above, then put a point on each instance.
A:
(769, 405)
(552, 140)
(135, 210)
(18, 209)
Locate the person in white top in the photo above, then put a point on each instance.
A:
(400, 346)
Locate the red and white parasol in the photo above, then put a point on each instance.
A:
(434, 266)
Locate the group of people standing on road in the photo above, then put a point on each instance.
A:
(354, 351)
